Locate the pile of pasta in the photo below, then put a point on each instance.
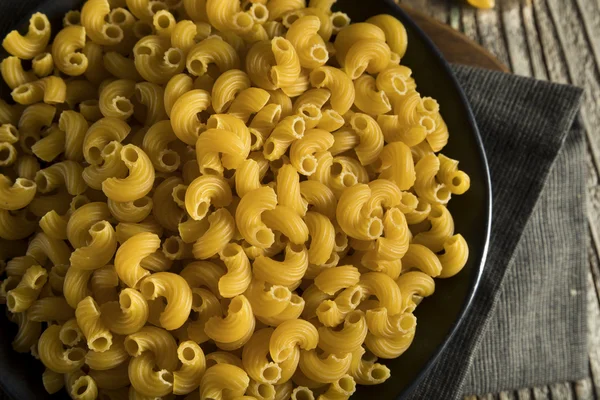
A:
(219, 199)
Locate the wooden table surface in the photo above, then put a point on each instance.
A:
(556, 40)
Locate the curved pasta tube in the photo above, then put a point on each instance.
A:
(27, 291)
(267, 300)
(177, 86)
(50, 309)
(65, 52)
(350, 338)
(111, 379)
(331, 280)
(54, 356)
(389, 348)
(442, 228)
(311, 49)
(255, 361)
(155, 61)
(131, 211)
(438, 137)
(203, 273)
(127, 315)
(187, 378)
(287, 69)
(259, 62)
(414, 285)
(223, 378)
(322, 232)
(42, 64)
(42, 248)
(396, 82)
(155, 341)
(385, 289)
(93, 328)
(351, 34)
(111, 358)
(326, 370)
(309, 105)
(213, 142)
(99, 251)
(247, 177)
(17, 225)
(395, 33)
(140, 179)
(289, 335)
(388, 327)
(93, 16)
(370, 138)
(151, 97)
(50, 90)
(177, 292)
(208, 308)
(220, 231)
(120, 66)
(13, 73)
(302, 150)
(75, 127)
(285, 220)
(115, 99)
(457, 181)
(227, 86)
(285, 132)
(248, 102)
(239, 273)
(372, 56)
(397, 165)
(130, 254)
(338, 83)
(248, 217)
(49, 147)
(146, 380)
(286, 272)
(292, 312)
(28, 333)
(350, 217)
(369, 99)
(366, 371)
(234, 330)
(34, 42)
(319, 197)
(288, 190)
(212, 50)
(100, 134)
(104, 284)
(52, 381)
(155, 144)
(184, 115)
(82, 219)
(75, 286)
(456, 254)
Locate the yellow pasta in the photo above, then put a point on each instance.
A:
(223, 378)
(54, 357)
(156, 61)
(234, 330)
(13, 73)
(338, 83)
(303, 34)
(66, 50)
(50, 90)
(93, 16)
(33, 43)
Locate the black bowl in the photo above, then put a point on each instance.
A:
(440, 315)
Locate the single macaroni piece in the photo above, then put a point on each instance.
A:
(13, 73)
(188, 377)
(325, 370)
(33, 43)
(395, 33)
(66, 52)
(184, 115)
(50, 90)
(18, 224)
(52, 381)
(53, 355)
(214, 52)
(255, 358)
(131, 211)
(95, 331)
(27, 291)
(128, 314)
(456, 253)
(288, 190)
(339, 84)
(75, 127)
(285, 273)
(302, 150)
(311, 49)
(156, 61)
(457, 181)
(130, 254)
(248, 217)
(234, 330)
(109, 359)
(120, 66)
(100, 134)
(226, 15)
(140, 179)
(220, 231)
(222, 378)
(175, 290)
(291, 335)
(239, 272)
(227, 87)
(93, 19)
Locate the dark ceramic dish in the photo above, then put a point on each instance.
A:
(440, 315)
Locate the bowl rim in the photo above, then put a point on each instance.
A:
(407, 21)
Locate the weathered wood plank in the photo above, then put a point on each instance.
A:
(490, 34)
(469, 23)
(589, 13)
(514, 32)
(562, 391)
(454, 19)
(488, 396)
(581, 66)
(536, 56)
(593, 317)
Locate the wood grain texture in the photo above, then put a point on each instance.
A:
(556, 40)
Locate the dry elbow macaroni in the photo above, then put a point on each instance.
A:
(223, 198)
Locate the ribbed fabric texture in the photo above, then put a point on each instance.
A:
(524, 301)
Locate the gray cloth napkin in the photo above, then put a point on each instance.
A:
(527, 325)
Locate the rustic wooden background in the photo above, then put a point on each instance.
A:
(556, 40)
